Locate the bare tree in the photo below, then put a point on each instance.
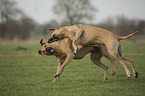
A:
(119, 25)
(125, 25)
(108, 23)
(141, 27)
(13, 22)
(74, 11)
(8, 10)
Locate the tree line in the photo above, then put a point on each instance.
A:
(15, 24)
(122, 25)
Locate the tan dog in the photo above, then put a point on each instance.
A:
(63, 51)
(74, 33)
(95, 35)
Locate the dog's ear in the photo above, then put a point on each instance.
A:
(39, 52)
(41, 42)
(51, 30)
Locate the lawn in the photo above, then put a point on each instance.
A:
(23, 73)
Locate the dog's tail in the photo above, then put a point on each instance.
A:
(125, 37)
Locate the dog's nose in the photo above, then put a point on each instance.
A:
(47, 49)
(50, 41)
(53, 38)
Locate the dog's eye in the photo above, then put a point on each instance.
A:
(44, 45)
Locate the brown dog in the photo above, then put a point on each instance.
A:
(95, 35)
(62, 50)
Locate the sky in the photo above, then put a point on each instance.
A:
(41, 10)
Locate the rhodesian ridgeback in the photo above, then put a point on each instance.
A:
(63, 51)
(94, 35)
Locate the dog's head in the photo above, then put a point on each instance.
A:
(47, 49)
(57, 34)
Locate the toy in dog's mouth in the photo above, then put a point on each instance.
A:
(53, 38)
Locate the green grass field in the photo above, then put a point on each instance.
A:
(23, 73)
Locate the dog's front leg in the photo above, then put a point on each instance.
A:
(60, 61)
(67, 60)
(78, 34)
(75, 47)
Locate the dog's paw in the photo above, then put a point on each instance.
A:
(136, 74)
(113, 73)
(56, 75)
(55, 79)
(75, 51)
(129, 75)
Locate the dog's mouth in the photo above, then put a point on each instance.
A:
(47, 51)
(53, 38)
(50, 50)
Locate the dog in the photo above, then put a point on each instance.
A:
(74, 33)
(63, 51)
(95, 35)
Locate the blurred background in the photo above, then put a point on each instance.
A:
(22, 20)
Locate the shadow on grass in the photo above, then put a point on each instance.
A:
(20, 48)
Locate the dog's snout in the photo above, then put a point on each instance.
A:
(50, 40)
(47, 49)
(50, 50)
(53, 38)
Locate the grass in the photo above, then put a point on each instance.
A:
(23, 73)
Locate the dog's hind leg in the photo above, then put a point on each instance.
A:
(128, 62)
(112, 62)
(106, 54)
(113, 51)
(95, 58)
(132, 66)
